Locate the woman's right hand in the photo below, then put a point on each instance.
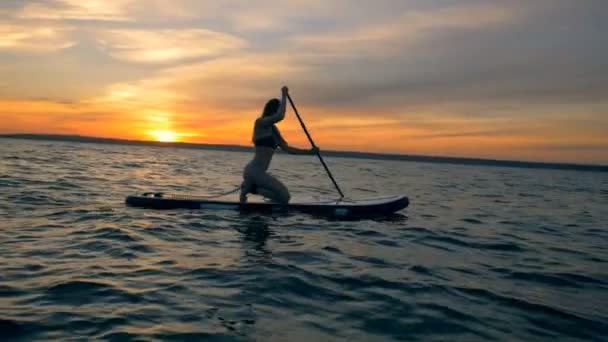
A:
(284, 90)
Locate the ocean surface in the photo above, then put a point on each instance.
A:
(482, 253)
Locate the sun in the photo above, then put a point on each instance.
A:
(164, 136)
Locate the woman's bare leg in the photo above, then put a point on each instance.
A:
(270, 187)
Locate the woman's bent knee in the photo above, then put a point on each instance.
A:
(279, 196)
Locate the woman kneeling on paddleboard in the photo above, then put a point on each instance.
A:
(266, 138)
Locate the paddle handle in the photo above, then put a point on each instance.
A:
(313, 145)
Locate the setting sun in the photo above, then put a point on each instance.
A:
(164, 136)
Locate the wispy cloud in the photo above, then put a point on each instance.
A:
(161, 46)
(218, 83)
(403, 29)
(272, 16)
(35, 38)
(114, 10)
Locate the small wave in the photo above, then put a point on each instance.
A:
(465, 271)
(214, 274)
(121, 336)
(93, 246)
(567, 250)
(299, 257)
(391, 320)
(132, 165)
(10, 291)
(12, 329)
(511, 223)
(596, 259)
(488, 195)
(377, 262)
(298, 285)
(390, 243)
(595, 232)
(393, 218)
(560, 320)
(88, 325)
(365, 282)
(369, 233)
(545, 279)
(38, 199)
(364, 190)
(333, 249)
(558, 279)
(9, 183)
(418, 230)
(94, 215)
(448, 312)
(421, 270)
(504, 246)
(529, 195)
(63, 185)
(112, 233)
(193, 336)
(78, 292)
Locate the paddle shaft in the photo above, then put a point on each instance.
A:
(313, 145)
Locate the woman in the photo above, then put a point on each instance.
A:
(266, 138)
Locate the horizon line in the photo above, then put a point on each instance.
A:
(332, 153)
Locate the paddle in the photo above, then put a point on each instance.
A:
(313, 145)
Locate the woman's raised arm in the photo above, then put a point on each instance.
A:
(280, 113)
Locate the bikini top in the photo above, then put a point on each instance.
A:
(268, 141)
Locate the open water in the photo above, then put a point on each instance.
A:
(482, 253)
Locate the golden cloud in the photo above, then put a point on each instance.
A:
(114, 10)
(161, 46)
(35, 39)
(213, 84)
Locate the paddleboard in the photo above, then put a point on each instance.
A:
(379, 206)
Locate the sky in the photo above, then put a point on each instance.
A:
(523, 80)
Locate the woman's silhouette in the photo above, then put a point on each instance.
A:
(266, 138)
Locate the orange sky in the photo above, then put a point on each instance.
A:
(466, 79)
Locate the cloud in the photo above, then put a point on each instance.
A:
(481, 56)
(162, 46)
(236, 15)
(272, 16)
(114, 10)
(262, 16)
(409, 27)
(35, 38)
(229, 82)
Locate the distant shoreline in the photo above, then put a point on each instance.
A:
(339, 154)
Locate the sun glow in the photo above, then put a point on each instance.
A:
(164, 136)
